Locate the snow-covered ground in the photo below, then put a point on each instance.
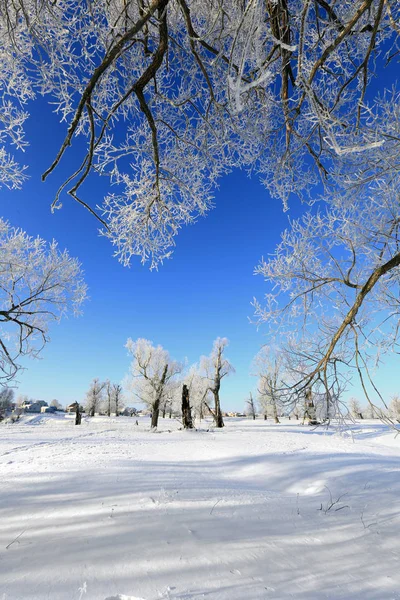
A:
(112, 511)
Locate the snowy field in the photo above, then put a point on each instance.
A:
(112, 511)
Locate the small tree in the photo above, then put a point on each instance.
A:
(394, 408)
(109, 395)
(268, 367)
(117, 397)
(250, 407)
(55, 404)
(151, 371)
(215, 367)
(6, 398)
(95, 396)
(369, 411)
(198, 390)
(355, 408)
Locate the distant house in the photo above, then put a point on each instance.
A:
(31, 407)
(48, 409)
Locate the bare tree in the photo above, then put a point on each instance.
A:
(268, 367)
(215, 367)
(251, 408)
(117, 394)
(151, 371)
(38, 284)
(114, 397)
(95, 396)
(198, 390)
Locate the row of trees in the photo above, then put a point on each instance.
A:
(161, 383)
(300, 411)
(278, 373)
(104, 396)
(164, 385)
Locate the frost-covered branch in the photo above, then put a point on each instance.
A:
(38, 284)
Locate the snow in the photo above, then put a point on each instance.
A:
(112, 511)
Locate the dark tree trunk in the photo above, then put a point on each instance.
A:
(219, 422)
(155, 414)
(78, 416)
(186, 412)
(265, 417)
(159, 394)
(163, 412)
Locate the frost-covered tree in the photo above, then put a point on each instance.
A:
(95, 396)
(215, 367)
(38, 284)
(355, 408)
(394, 408)
(117, 398)
(334, 279)
(269, 368)
(251, 409)
(171, 94)
(198, 390)
(6, 398)
(151, 370)
(369, 412)
(109, 398)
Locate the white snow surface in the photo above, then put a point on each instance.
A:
(112, 511)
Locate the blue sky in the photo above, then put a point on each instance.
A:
(205, 291)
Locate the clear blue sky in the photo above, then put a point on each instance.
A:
(205, 291)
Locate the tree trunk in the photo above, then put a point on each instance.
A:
(219, 422)
(159, 394)
(275, 412)
(78, 416)
(186, 412)
(265, 417)
(155, 413)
